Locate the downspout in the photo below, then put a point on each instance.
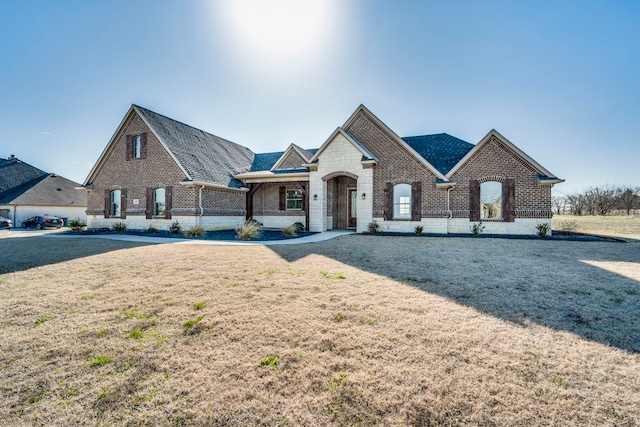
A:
(200, 203)
(448, 207)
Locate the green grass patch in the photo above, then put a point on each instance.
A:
(136, 334)
(100, 360)
(40, 320)
(269, 361)
(332, 276)
(192, 326)
(199, 305)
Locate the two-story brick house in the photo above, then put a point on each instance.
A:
(155, 171)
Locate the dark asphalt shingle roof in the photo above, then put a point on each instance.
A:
(48, 190)
(265, 161)
(15, 173)
(442, 150)
(205, 157)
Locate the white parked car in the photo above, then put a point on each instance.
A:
(5, 223)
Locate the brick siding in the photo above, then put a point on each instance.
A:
(396, 165)
(495, 162)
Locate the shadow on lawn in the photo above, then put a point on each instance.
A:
(550, 283)
(28, 252)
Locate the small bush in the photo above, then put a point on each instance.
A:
(76, 224)
(119, 227)
(477, 228)
(249, 230)
(299, 227)
(175, 228)
(419, 229)
(569, 225)
(269, 361)
(195, 231)
(289, 230)
(151, 230)
(542, 230)
(373, 227)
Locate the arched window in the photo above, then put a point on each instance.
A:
(491, 200)
(159, 204)
(115, 209)
(402, 201)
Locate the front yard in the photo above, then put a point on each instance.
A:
(359, 330)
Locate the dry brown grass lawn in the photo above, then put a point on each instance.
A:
(618, 226)
(367, 330)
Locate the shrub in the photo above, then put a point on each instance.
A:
(151, 230)
(289, 230)
(299, 227)
(119, 227)
(76, 224)
(542, 229)
(249, 230)
(477, 228)
(195, 231)
(373, 227)
(418, 229)
(175, 228)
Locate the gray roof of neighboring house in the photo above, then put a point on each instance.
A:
(48, 190)
(15, 173)
(443, 151)
(205, 157)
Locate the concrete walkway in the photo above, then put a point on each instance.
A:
(318, 237)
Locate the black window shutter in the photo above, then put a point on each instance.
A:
(123, 203)
(283, 199)
(129, 146)
(388, 201)
(168, 196)
(509, 200)
(107, 203)
(416, 201)
(143, 145)
(149, 210)
(474, 200)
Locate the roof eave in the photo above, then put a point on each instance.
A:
(191, 183)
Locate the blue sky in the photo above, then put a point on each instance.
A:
(560, 79)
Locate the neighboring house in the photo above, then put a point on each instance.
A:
(155, 171)
(26, 191)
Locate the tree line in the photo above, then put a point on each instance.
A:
(602, 200)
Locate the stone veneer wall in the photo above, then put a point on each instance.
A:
(339, 156)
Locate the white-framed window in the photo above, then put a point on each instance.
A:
(137, 146)
(402, 201)
(491, 200)
(159, 202)
(115, 209)
(294, 200)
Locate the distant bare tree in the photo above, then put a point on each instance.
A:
(559, 203)
(628, 198)
(576, 203)
(604, 199)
